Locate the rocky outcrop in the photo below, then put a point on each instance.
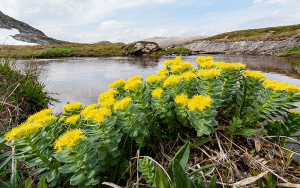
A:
(244, 47)
(141, 47)
(172, 41)
(27, 32)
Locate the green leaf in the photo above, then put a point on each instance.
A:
(13, 178)
(68, 168)
(42, 183)
(180, 179)
(245, 132)
(51, 175)
(77, 178)
(28, 182)
(183, 155)
(161, 179)
(212, 183)
(208, 166)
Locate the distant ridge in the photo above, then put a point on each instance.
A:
(172, 41)
(27, 32)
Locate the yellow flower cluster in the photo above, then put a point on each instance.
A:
(69, 139)
(207, 64)
(72, 106)
(73, 119)
(122, 104)
(176, 61)
(208, 73)
(230, 66)
(108, 95)
(87, 110)
(182, 99)
(34, 122)
(275, 85)
(171, 80)
(151, 78)
(199, 102)
(188, 76)
(117, 84)
(62, 119)
(40, 114)
(133, 85)
(137, 77)
(274, 120)
(294, 112)
(157, 92)
(98, 115)
(202, 59)
(181, 67)
(162, 72)
(255, 75)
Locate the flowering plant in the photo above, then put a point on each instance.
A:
(81, 147)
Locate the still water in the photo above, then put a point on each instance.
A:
(83, 79)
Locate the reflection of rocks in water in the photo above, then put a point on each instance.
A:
(144, 62)
(290, 67)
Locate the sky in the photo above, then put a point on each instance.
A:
(91, 21)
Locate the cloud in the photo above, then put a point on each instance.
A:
(257, 1)
(166, 21)
(111, 24)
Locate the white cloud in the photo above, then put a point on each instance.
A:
(111, 24)
(166, 21)
(257, 1)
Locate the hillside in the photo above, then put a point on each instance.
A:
(27, 32)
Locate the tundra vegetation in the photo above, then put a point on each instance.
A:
(81, 50)
(183, 127)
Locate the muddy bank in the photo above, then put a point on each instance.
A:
(243, 47)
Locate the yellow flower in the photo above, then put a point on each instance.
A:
(199, 102)
(117, 83)
(157, 92)
(177, 60)
(182, 99)
(202, 59)
(294, 112)
(40, 114)
(98, 115)
(162, 72)
(46, 120)
(188, 76)
(273, 121)
(109, 94)
(69, 139)
(162, 78)
(62, 119)
(275, 85)
(133, 85)
(122, 104)
(208, 73)
(207, 64)
(72, 106)
(151, 78)
(137, 77)
(255, 75)
(168, 62)
(73, 119)
(87, 109)
(108, 102)
(181, 67)
(28, 128)
(230, 66)
(171, 80)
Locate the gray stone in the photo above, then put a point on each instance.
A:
(243, 47)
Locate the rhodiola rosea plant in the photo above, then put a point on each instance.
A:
(92, 144)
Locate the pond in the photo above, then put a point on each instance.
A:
(83, 79)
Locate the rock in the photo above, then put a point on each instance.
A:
(27, 33)
(144, 47)
(243, 47)
(103, 42)
(38, 39)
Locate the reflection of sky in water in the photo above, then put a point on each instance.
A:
(83, 79)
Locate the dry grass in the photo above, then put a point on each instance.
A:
(264, 34)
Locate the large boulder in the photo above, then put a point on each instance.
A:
(144, 47)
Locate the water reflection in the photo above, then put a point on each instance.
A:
(83, 79)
